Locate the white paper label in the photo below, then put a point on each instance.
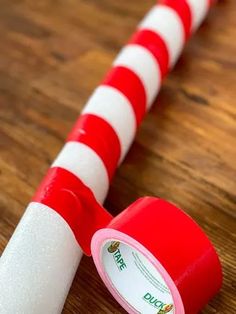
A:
(136, 280)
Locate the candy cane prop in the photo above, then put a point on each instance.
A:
(40, 260)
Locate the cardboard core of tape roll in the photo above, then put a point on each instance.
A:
(154, 258)
(135, 278)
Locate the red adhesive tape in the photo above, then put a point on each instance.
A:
(183, 10)
(152, 257)
(96, 133)
(155, 44)
(130, 85)
(73, 200)
(155, 259)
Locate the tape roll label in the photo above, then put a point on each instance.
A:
(136, 280)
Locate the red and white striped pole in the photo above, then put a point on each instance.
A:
(40, 260)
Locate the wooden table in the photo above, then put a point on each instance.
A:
(53, 54)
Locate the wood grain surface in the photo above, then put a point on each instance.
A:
(52, 56)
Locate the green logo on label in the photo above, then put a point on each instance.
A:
(114, 249)
(161, 306)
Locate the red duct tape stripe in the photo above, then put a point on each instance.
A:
(155, 44)
(129, 84)
(96, 133)
(72, 200)
(183, 10)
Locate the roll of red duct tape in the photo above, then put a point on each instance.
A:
(155, 259)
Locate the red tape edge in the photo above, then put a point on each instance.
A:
(74, 201)
(99, 135)
(183, 10)
(155, 44)
(130, 85)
